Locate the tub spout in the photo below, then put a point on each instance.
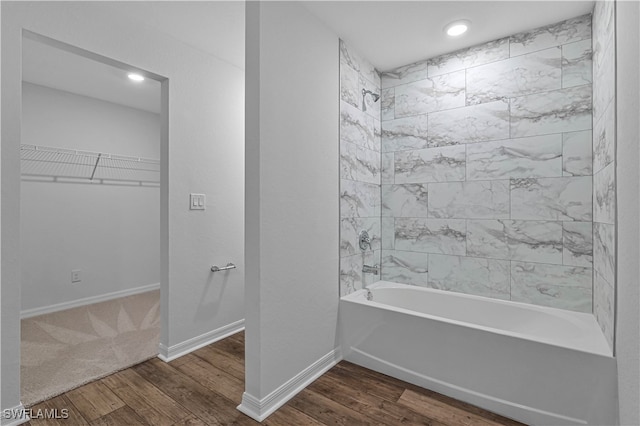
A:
(370, 269)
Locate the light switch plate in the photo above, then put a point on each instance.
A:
(197, 202)
(75, 275)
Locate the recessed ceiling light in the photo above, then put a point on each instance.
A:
(135, 77)
(457, 28)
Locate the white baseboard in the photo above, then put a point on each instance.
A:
(260, 409)
(14, 416)
(176, 351)
(28, 313)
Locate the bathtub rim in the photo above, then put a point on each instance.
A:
(358, 297)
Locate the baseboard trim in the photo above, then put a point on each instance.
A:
(170, 353)
(34, 312)
(260, 409)
(14, 416)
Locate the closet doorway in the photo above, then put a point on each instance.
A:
(89, 217)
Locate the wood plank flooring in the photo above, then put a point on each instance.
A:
(204, 388)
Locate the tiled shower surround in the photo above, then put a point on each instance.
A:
(486, 170)
(359, 169)
(604, 176)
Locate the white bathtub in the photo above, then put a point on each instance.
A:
(541, 366)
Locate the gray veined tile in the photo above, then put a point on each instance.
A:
(482, 277)
(604, 136)
(604, 251)
(351, 276)
(405, 74)
(565, 110)
(557, 286)
(563, 198)
(388, 104)
(444, 236)
(564, 32)
(487, 238)
(603, 306)
(405, 133)
(476, 123)
(577, 153)
(404, 267)
(349, 85)
(470, 57)
(408, 200)
(388, 173)
(357, 127)
(443, 164)
(576, 63)
(604, 77)
(359, 199)
(534, 241)
(523, 75)
(350, 229)
(603, 26)
(577, 242)
(348, 160)
(604, 195)
(536, 156)
(388, 233)
(469, 200)
(368, 165)
(359, 63)
(433, 94)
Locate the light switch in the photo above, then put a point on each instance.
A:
(197, 202)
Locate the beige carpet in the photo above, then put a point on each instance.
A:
(63, 350)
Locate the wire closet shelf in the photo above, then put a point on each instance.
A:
(78, 166)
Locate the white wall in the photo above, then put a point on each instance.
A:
(111, 233)
(628, 160)
(202, 151)
(291, 200)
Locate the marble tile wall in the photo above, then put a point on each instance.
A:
(360, 169)
(487, 168)
(604, 179)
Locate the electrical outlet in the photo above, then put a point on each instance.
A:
(75, 275)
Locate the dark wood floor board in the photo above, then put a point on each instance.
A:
(190, 421)
(120, 417)
(212, 409)
(289, 416)
(367, 404)
(222, 360)
(232, 346)
(444, 412)
(94, 400)
(203, 389)
(213, 378)
(382, 380)
(53, 408)
(149, 402)
(373, 384)
(328, 411)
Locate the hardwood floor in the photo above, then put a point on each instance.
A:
(204, 388)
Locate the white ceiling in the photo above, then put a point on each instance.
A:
(388, 33)
(52, 67)
(213, 27)
(395, 33)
